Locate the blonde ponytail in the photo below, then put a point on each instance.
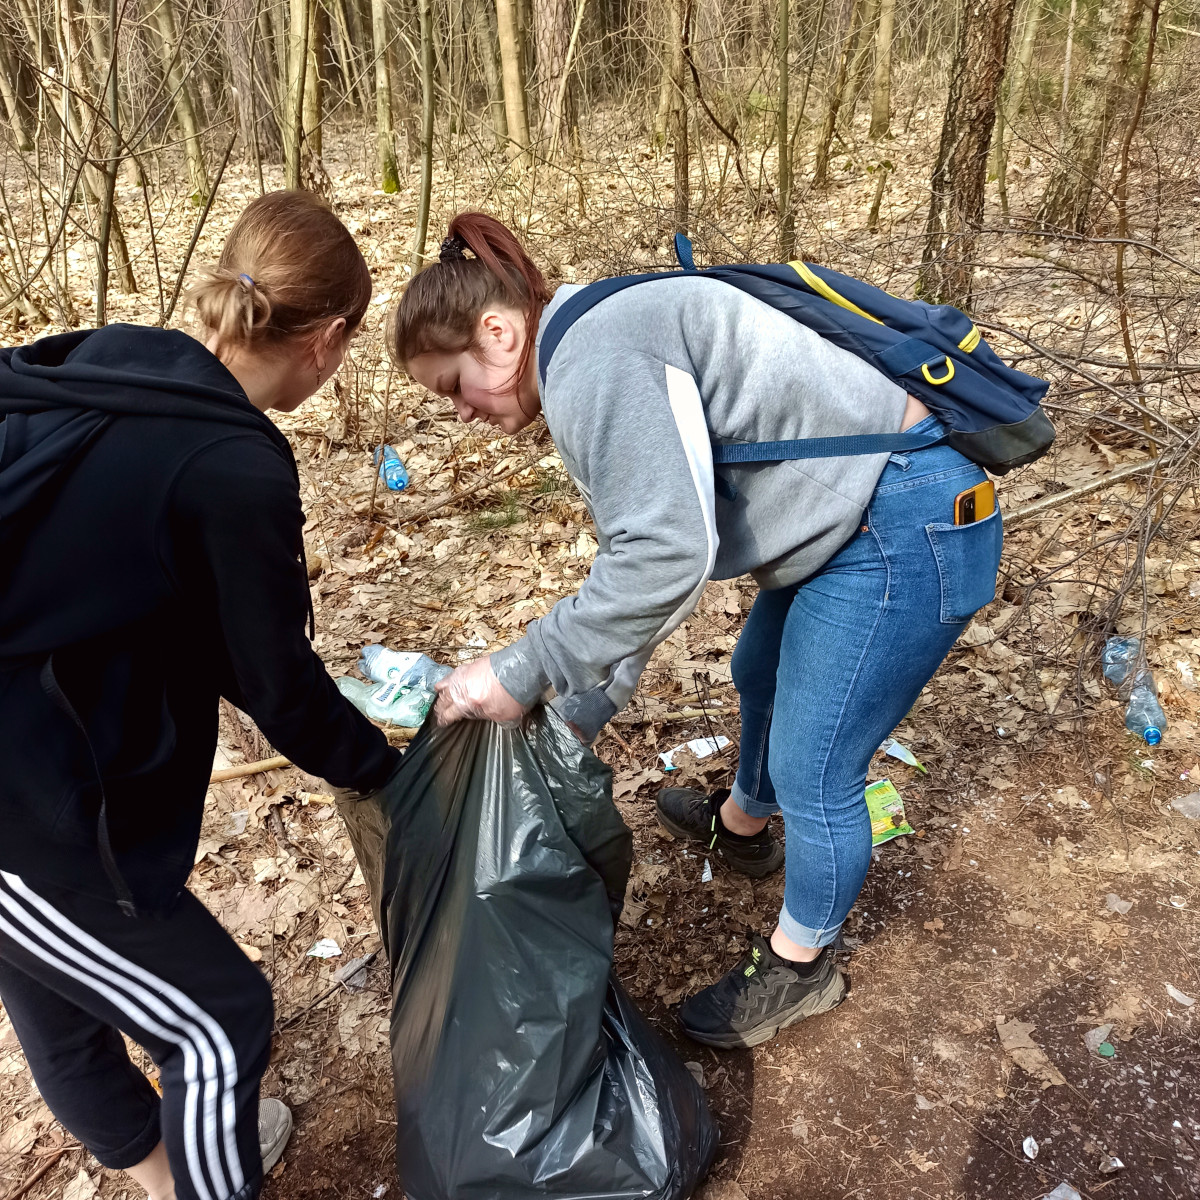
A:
(230, 305)
(288, 268)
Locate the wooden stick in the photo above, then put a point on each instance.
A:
(287, 1021)
(483, 485)
(683, 714)
(1084, 489)
(39, 1173)
(253, 768)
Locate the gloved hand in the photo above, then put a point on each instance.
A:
(472, 692)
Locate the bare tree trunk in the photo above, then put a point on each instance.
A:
(959, 175)
(667, 96)
(552, 22)
(10, 94)
(1068, 193)
(858, 64)
(314, 87)
(94, 182)
(385, 140)
(681, 13)
(485, 47)
(299, 28)
(881, 93)
(247, 61)
(509, 35)
(180, 82)
(425, 13)
(1013, 97)
(109, 200)
(1068, 58)
(787, 218)
(834, 101)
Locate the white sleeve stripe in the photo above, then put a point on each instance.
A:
(688, 411)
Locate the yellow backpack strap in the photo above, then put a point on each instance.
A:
(819, 286)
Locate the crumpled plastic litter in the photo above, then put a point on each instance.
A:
(497, 863)
(1064, 1191)
(700, 747)
(895, 749)
(401, 688)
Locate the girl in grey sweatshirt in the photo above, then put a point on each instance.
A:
(865, 580)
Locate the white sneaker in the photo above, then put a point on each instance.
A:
(274, 1129)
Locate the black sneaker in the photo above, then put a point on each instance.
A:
(694, 816)
(760, 996)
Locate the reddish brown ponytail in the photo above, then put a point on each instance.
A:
(440, 309)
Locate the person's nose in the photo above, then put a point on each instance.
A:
(466, 413)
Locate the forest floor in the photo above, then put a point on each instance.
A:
(1048, 881)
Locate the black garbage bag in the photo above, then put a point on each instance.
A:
(498, 864)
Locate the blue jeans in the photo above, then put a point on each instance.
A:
(827, 668)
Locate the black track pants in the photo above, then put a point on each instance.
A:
(74, 971)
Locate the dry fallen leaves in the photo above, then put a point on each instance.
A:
(1026, 1053)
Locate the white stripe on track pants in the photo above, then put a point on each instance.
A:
(75, 970)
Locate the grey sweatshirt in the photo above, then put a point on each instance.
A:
(635, 392)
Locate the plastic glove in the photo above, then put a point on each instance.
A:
(472, 692)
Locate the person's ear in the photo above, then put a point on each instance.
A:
(498, 330)
(327, 340)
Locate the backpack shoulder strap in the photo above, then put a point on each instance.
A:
(584, 300)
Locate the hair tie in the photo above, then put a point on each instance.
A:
(246, 279)
(452, 248)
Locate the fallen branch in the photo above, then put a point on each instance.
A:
(52, 1161)
(253, 768)
(1046, 503)
(319, 999)
(483, 485)
(682, 714)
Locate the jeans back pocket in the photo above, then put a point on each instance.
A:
(968, 557)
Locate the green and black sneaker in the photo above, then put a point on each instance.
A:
(762, 995)
(696, 817)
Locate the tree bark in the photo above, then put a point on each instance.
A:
(10, 94)
(180, 82)
(1068, 59)
(881, 93)
(425, 13)
(960, 173)
(385, 140)
(299, 32)
(787, 218)
(1068, 192)
(834, 101)
(552, 23)
(681, 12)
(508, 29)
(94, 180)
(314, 86)
(1013, 97)
(485, 47)
(248, 69)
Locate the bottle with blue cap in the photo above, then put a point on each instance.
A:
(391, 469)
(1143, 713)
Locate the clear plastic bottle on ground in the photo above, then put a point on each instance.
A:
(391, 469)
(1143, 713)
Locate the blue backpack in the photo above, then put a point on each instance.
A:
(992, 412)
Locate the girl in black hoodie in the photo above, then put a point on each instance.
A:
(152, 561)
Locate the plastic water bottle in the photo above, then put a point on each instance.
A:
(391, 469)
(1143, 713)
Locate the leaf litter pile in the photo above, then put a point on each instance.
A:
(1010, 1027)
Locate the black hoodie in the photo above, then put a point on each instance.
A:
(151, 560)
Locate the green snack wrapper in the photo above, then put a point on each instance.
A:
(887, 812)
